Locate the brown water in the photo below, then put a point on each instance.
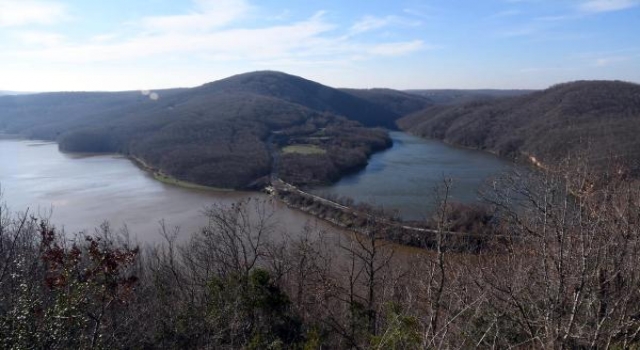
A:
(79, 192)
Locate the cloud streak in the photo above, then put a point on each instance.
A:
(17, 13)
(371, 23)
(599, 6)
(314, 37)
(611, 60)
(40, 38)
(207, 15)
(203, 40)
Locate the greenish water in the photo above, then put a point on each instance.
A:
(404, 177)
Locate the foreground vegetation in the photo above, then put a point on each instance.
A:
(562, 274)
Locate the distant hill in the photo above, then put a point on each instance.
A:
(217, 134)
(5, 93)
(597, 120)
(306, 93)
(457, 96)
(398, 102)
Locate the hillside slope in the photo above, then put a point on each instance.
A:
(398, 102)
(598, 120)
(458, 96)
(218, 134)
(306, 93)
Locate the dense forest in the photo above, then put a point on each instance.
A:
(559, 272)
(219, 134)
(597, 121)
(398, 102)
(457, 96)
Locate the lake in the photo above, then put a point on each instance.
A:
(79, 192)
(404, 177)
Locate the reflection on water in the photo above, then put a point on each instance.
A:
(81, 192)
(404, 177)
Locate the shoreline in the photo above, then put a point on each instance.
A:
(169, 180)
(524, 159)
(5, 136)
(155, 173)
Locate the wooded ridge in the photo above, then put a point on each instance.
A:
(595, 121)
(218, 134)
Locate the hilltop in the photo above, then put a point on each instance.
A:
(594, 120)
(4, 93)
(231, 133)
(306, 93)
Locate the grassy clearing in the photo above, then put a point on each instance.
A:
(303, 149)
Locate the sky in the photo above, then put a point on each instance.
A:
(80, 45)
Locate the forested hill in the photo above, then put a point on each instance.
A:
(398, 102)
(217, 134)
(457, 96)
(597, 120)
(306, 93)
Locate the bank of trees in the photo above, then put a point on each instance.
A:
(561, 121)
(563, 274)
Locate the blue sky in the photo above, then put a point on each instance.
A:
(50, 45)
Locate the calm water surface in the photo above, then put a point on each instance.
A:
(404, 177)
(81, 192)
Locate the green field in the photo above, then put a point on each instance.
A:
(303, 149)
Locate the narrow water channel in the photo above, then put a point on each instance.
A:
(404, 177)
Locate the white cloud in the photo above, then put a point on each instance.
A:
(210, 36)
(424, 11)
(103, 38)
(556, 18)
(231, 43)
(40, 38)
(370, 23)
(14, 13)
(207, 15)
(312, 38)
(609, 61)
(597, 6)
